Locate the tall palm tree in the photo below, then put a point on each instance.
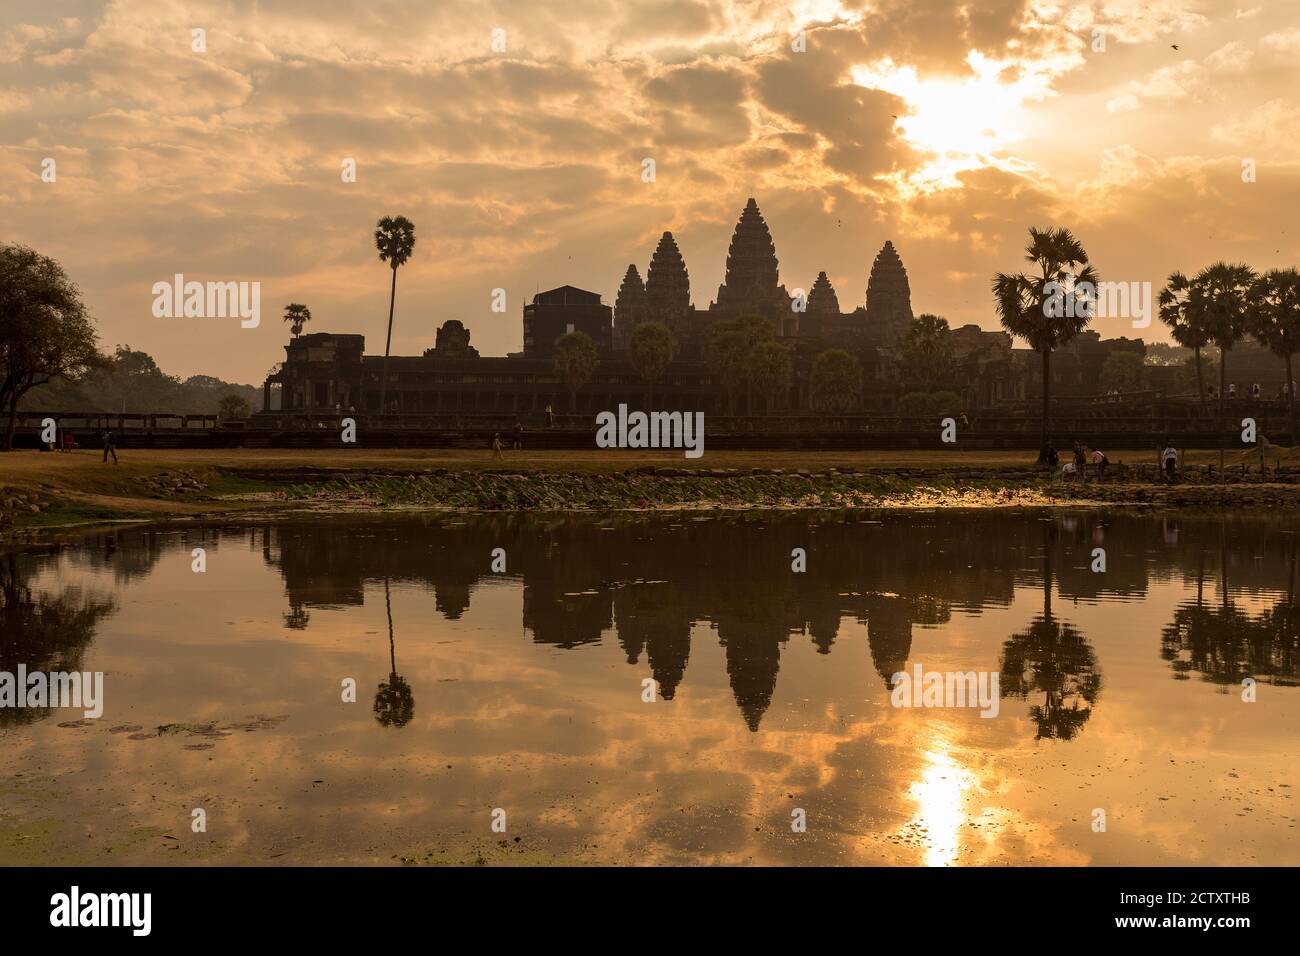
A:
(1276, 324)
(1049, 308)
(1224, 290)
(1185, 315)
(395, 240)
(652, 349)
(297, 315)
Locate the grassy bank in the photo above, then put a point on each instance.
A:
(63, 489)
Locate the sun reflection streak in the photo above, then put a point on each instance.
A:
(940, 795)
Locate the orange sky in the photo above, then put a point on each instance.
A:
(948, 126)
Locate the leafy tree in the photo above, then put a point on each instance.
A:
(1184, 313)
(1223, 290)
(44, 330)
(927, 356)
(730, 343)
(1124, 371)
(395, 240)
(768, 370)
(575, 361)
(836, 382)
(233, 407)
(652, 349)
(1048, 308)
(1276, 324)
(298, 315)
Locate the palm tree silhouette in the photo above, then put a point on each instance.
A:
(1224, 290)
(395, 240)
(1025, 303)
(1276, 324)
(1183, 311)
(394, 702)
(297, 315)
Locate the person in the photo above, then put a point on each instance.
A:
(1170, 459)
(1053, 459)
(110, 447)
(1067, 471)
(550, 415)
(1232, 389)
(496, 446)
(1080, 460)
(69, 442)
(519, 436)
(1099, 459)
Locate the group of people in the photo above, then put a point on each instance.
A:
(1082, 457)
(498, 445)
(1078, 464)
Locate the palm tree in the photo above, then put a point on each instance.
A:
(395, 239)
(1050, 308)
(652, 349)
(836, 382)
(1276, 324)
(575, 361)
(297, 315)
(730, 343)
(1224, 291)
(927, 350)
(768, 370)
(1185, 315)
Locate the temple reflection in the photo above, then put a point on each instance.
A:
(654, 585)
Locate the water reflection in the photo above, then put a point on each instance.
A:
(649, 583)
(773, 687)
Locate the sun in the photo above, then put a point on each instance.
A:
(960, 123)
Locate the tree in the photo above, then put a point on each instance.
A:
(1276, 325)
(44, 330)
(1223, 290)
(730, 343)
(836, 382)
(768, 370)
(575, 360)
(395, 240)
(1185, 315)
(1123, 371)
(298, 315)
(652, 349)
(1050, 308)
(927, 351)
(233, 407)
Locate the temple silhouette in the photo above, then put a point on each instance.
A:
(326, 371)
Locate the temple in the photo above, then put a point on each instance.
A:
(327, 372)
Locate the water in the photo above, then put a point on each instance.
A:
(523, 691)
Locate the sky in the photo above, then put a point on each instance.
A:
(515, 136)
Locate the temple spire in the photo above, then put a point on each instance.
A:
(668, 284)
(889, 297)
(629, 307)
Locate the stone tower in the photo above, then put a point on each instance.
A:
(822, 303)
(751, 286)
(889, 298)
(629, 307)
(668, 285)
